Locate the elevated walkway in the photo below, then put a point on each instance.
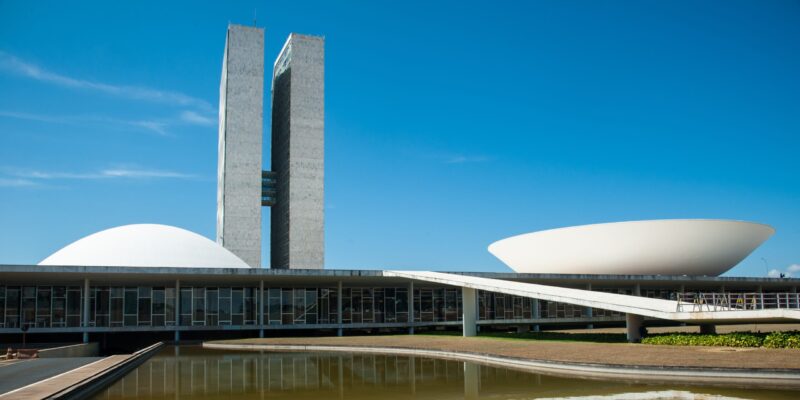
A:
(633, 306)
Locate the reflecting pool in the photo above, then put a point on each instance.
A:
(194, 372)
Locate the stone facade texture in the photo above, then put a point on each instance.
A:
(298, 156)
(241, 108)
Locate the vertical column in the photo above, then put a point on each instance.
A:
(177, 311)
(339, 309)
(86, 310)
(469, 316)
(261, 309)
(708, 329)
(633, 322)
(682, 292)
(589, 310)
(411, 307)
(536, 314)
(633, 326)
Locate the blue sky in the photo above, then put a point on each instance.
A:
(448, 125)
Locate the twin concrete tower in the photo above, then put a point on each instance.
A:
(294, 187)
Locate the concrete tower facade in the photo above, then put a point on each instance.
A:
(241, 105)
(298, 156)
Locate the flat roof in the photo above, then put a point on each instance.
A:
(42, 275)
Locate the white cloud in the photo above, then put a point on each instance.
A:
(16, 182)
(143, 173)
(159, 127)
(790, 271)
(194, 118)
(109, 173)
(17, 66)
(462, 159)
(154, 126)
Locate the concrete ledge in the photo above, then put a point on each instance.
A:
(75, 350)
(83, 382)
(731, 377)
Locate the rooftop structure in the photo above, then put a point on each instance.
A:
(658, 247)
(145, 245)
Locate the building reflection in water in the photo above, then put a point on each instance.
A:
(193, 372)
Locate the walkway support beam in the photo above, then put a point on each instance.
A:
(633, 327)
(708, 329)
(260, 309)
(470, 313)
(411, 307)
(339, 331)
(177, 338)
(86, 296)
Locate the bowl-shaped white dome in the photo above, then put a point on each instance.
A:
(145, 245)
(658, 247)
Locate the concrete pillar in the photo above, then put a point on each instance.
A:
(411, 307)
(708, 329)
(177, 310)
(535, 311)
(469, 316)
(86, 310)
(260, 309)
(339, 308)
(589, 310)
(633, 324)
(522, 328)
(536, 328)
(637, 290)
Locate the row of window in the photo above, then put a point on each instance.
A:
(118, 306)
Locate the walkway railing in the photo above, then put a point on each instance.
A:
(702, 302)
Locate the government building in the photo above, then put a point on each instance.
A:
(146, 281)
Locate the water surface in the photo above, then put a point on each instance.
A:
(196, 373)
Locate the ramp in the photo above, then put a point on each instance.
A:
(637, 305)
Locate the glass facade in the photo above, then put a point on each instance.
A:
(40, 306)
(498, 306)
(209, 306)
(157, 306)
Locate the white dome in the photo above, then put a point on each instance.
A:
(145, 245)
(659, 247)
